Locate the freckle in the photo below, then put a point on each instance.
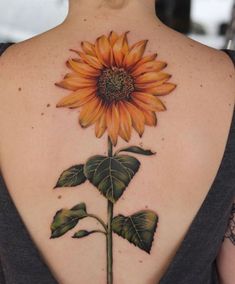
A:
(48, 105)
(163, 139)
(191, 45)
(230, 76)
(19, 89)
(229, 105)
(42, 113)
(84, 20)
(146, 207)
(140, 261)
(102, 269)
(59, 197)
(201, 85)
(32, 127)
(120, 251)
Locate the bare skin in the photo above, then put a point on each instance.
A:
(38, 140)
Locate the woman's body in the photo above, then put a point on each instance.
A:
(38, 140)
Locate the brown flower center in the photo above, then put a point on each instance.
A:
(115, 84)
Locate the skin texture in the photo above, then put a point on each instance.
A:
(39, 140)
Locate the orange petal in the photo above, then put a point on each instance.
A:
(72, 82)
(88, 48)
(101, 125)
(79, 60)
(63, 84)
(120, 48)
(112, 121)
(150, 117)
(76, 97)
(135, 54)
(91, 112)
(161, 90)
(125, 47)
(152, 77)
(147, 101)
(82, 101)
(103, 51)
(143, 60)
(91, 60)
(113, 38)
(151, 66)
(125, 122)
(83, 69)
(143, 87)
(137, 117)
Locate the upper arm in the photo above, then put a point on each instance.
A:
(226, 256)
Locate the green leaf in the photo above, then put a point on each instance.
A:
(81, 234)
(138, 228)
(111, 175)
(136, 150)
(71, 177)
(66, 219)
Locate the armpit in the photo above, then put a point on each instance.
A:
(230, 233)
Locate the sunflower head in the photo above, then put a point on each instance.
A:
(116, 86)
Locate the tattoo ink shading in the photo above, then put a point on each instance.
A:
(230, 234)
(118, 89)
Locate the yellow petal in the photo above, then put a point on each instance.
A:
(83, 69)
(137, 117)
(113, 38)
(76, 97)
(103, 51)
(112, 121)
(88, 48)
(146, 86)
(91, 112)
(125, 122)
(152, 77)
(101, 125)
(144, 60)
(120, 48)
(91, 60)
(151, 66)
(161, 90)
(148, 102)
(135, 54)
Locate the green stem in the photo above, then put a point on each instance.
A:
(109, 248)
(99, 220)
(110, 148)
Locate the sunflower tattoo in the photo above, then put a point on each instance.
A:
(117, 89)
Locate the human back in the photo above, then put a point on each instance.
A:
(39, 141)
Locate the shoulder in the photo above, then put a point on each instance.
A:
(197, 62)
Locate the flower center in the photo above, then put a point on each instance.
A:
(115, 84)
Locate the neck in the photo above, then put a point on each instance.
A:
(130, 11)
